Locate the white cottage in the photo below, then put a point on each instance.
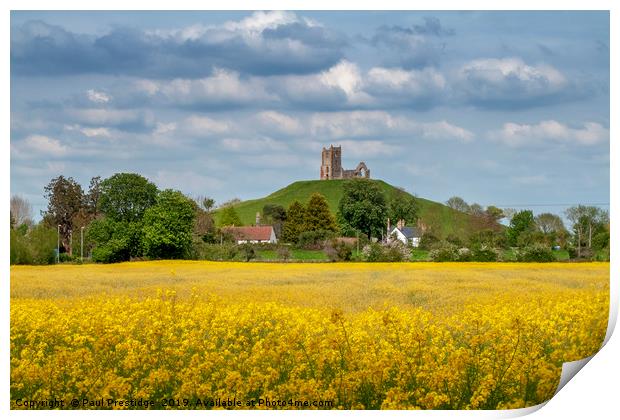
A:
(407, 235)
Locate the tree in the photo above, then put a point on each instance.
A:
(126, 196)
(363, 206)
(403, 206)
(548, 223)
(204, 225)
(275, 215)
(476, 209)
(65, 200)
(113, 241)
(586, 220)
(168, 226)
(93, 197)
(229, 217)
(295, 222)
(521, 223)
(457, 203)
(318, 215)
(21, 211)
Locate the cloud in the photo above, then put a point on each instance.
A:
(202, 126)
(361, 124)
(510, 82)
(273, 121)
(418, 46)
(224, 88)
(128, 119)
(262, 43)
(97, 96)
(516, 135)
(41, 145)
(89, 132)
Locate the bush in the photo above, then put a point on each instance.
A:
(428, 241)
(464, 254)
(394, 251)
(444, 252)
(485, 254)
(19, 252)
(283, 253)
(247, 251)
(338, 251)
(314, 240)
(535, 253)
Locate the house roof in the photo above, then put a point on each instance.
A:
(250, 233)
(409, 232)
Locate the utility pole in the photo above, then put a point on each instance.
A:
(71, 242)
(82, 244)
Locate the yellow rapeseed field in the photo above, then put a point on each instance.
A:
(404, 335)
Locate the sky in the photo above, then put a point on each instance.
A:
(501, 108)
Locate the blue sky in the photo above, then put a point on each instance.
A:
(503, 108)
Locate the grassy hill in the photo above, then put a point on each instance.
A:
(431, 213)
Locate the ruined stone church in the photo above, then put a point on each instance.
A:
(331, 166)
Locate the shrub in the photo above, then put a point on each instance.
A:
(535, 253)
(485, 254)
(338, 250)
(428, 241)
(443, 252)
(247, 251)
(464, 254)
(314, 239)
(396, 251)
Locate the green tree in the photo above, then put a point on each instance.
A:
(403, 206)
(113, 241)
(363, 206)
(520, 224)
(229, 217)
(168, 226)
(93, 197)
(318, 216)
(65, 199)
(295, 222)
(126, 196)
(275, 215)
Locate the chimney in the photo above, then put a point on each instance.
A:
(389, 227)
(400, 224)
(257, 218)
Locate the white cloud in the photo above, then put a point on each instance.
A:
(98, 97)
(514, 135)
(222, 87)
(508, 80)
(205, 126)
(186, 181)
(383, 81)
(98, 116)
(365, 149)
(42, 145)
(531, 180)
(279, 122)
(164, 128)
(89, 132)
(380, 123)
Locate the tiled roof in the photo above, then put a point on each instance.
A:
(250, 233)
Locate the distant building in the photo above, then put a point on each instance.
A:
(331, 166)
(406, 234)
(252, 234)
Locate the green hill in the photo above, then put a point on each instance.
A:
(432, 213)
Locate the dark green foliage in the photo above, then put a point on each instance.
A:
(317, 215)
(522, 222)
(19, 252)
(428, 241)
(167, 226)
(295, 222)
(601, 240)
(126, 196)
(454, 240)
(363, 207)
(488, 238)
(114, 241)
(535, 253)
(274, 215)
(314, 239)
(403, 206)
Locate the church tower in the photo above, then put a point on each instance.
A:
(331, 163)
